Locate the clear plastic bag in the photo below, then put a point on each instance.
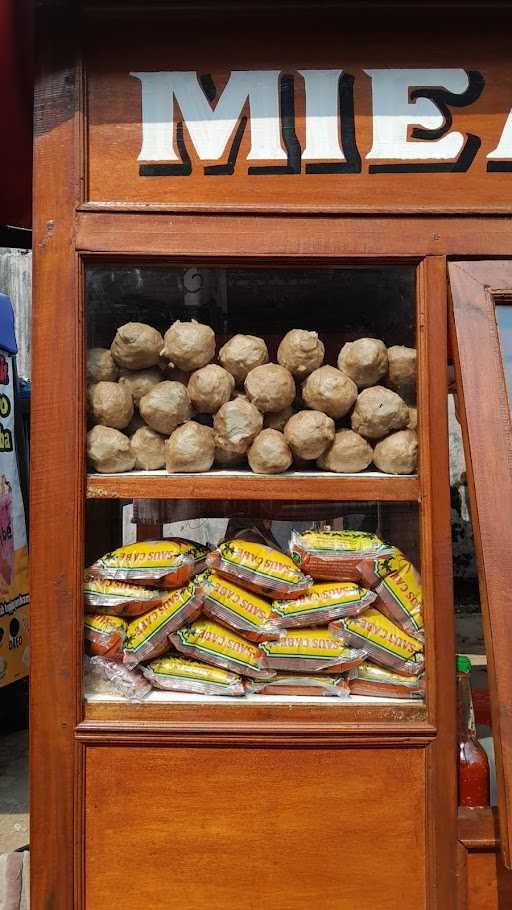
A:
(119, 598)
(210, 642)
(240, 610)
(179, 674)
(105, 635)
(370, 680)
(259, 568)
(323, 603)
(147, 636)
(334, 555)
(169, 563)
(398, 588)
(311, 650)
(385, 643)
(129, 684)
(298, 685)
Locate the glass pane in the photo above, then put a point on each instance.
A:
(335, 341)
(504, 320)
(341, 619)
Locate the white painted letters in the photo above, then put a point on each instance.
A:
(393, 113)
(322, 115)
(210, 129)
(504, 148)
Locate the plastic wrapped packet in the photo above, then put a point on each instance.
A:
(310, 650)
(208, 641)
(323, 603)
(130, 684)
(179, 674)
(335, 555)
(169, 563)
(289, 684)
(119, 598)
(259, 568)
(148, 636)
(105, 635)
(385, 643)
(237, 609)
(398, 588)
(367, 679)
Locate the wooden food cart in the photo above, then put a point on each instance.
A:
(263, 167)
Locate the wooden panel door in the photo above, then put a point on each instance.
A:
(482, 345)
(294, 828)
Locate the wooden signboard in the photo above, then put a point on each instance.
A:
(329, 116)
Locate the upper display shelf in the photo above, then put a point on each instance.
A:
(303, 378)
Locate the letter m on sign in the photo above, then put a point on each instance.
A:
(210, 128)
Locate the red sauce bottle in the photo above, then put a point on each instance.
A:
(473, 761)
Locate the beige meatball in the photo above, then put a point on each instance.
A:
(236, 424)
(301, 352)
(309, 434)
(270, 387)
(136, 346)
(241, 354)
(329, 390)
(148, 449)
(108, 450)
(364, 360)
(402, 371)
(189, 345)
(110, 404)
(398, 453)
(379, 411)
(277, 420)
(348, 454)
(269, 453)
(190, 448)
(412, 423)
(165, 406)
(140, 382)
(101, 366)
(209, 388)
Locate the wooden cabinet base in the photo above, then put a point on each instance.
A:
(256, 827)
(483, 882)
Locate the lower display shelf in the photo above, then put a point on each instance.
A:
(179, 698)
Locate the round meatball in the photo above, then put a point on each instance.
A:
(236, 424)
(364, 360)
(270, 387)
(101, 366)
(225, 458)
(269, 453)
(209, 388)
(402, 371)
(136, 346)
(309, 434)
(108, 450)
(148, 449)
(190, 449)
(398, 453)
(349, 454)
(165, 406)
(331, 391)
(301, 352)
(241, 354)
(140, 382)
(412, 423)
(379, 411)
(189, 345)
(110, 404)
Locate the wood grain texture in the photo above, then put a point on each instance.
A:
(255, 237)
(255, 41)
(252, 486)
(483, 883)
(487, 433)
(56, 492)
(436, 572)
(293, 829)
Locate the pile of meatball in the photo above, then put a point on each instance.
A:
(156, 402)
